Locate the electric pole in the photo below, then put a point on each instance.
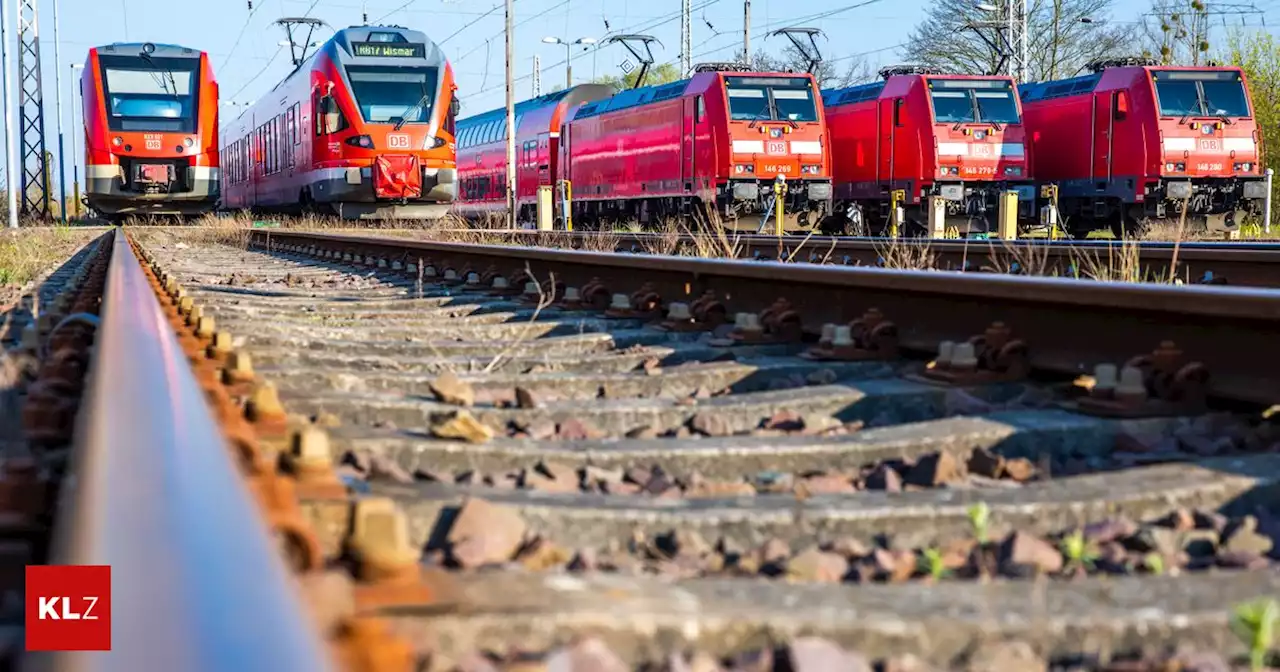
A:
(35, 177)
(11, 138)
(537, 76)
(511, 119)
(57, 95)
(686, 38)
(746, 32)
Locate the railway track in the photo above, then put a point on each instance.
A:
(1248, 264)
(456, 457)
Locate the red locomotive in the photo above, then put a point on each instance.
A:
(926, 134)
(151, 130)
(1133, 140)
(364, 128)
(719, 139)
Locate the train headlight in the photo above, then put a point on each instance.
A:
(810, 170)
(1014, 171)
(188, 143)
(117, 141)
(433, 142)
(1175, 167)
(1243, 167)
(949, 170)
(361, 141)
(742, 168)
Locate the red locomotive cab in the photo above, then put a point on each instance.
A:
(924, 140)
(1132, 142)
(775, 126)
(151, 131)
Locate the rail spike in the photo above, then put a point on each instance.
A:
(1163, 383)
(994, 356)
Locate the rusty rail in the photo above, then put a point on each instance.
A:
(1247, 264)
(1069, 326)
(197, 581)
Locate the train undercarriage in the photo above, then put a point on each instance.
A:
(1212, 206)
(966, 208)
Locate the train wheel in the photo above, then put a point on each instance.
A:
(833, 225)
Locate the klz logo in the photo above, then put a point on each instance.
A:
(68, 608)
(773, 147)
(398, 141)
(153, 141)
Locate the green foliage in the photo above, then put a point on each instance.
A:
(1078, 551)
(659, 73)
(1258, 54)
(980, 521)
(1255, 623)
(931, 563)
(1154, 562)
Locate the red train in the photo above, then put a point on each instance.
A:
(1133, 141)
(364, 129)
(716, 140)
(959, 137)
(151, 130)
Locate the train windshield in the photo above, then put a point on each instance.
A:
(771, 99)
(390, 95)
(1200, 93)
(973, 101)
(150, 93)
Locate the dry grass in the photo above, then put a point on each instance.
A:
(28, 252)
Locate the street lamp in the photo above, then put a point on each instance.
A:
(568, 54)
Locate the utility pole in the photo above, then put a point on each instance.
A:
(11, 138)
(75, 130)
(57, 95)
(537, 76)
(746, 32)
(35, 177)
(686, 38)
(511, 118)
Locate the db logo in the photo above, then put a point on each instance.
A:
(68, 608)
(398, 141)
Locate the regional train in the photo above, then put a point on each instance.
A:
(717, 142)
(364, 128)
(1132, 141)
(926, 134)
(151, 130)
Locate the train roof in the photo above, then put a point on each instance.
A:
(521, 107)
(342, 47)
(1059, 88)
(861, 92)
(134, 48)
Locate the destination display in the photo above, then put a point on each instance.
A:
(389, 49)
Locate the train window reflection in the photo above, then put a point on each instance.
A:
(389, 94)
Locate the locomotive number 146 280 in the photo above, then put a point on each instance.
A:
(1208, 166)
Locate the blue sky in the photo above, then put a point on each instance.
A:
(248, 61)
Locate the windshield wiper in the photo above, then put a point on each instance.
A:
(1208, 105)
(413, 109)
(755, 118)
(172, 84)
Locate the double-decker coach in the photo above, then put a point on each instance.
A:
(363, 128)
(1132, 141)
(151, 130)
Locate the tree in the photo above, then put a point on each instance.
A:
(1178, 33)
(832, 74)
(1062, 37)
(659, 73)
(1257, 53)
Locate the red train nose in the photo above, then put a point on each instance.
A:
(397, 176)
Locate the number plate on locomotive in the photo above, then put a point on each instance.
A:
(1206, 167)
(777, 169)
(776, 147)
(398, 141)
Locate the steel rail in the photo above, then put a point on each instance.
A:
(197, 582)
(1247, 264)
(1070, 325)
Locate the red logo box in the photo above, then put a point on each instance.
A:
(68, 608)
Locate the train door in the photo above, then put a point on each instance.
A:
(890, 113)
(1103, 135)
(690, 130)
(546, 158)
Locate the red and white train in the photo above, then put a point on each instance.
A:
(716, 141)
(363, 128)
(1132, 140)
(151, 130)
(926, 134)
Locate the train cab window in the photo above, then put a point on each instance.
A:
(1201, 93)
(391, 94)
(329, 117)
(150, 93)
(966, 101)
(701, 109)
(771, 99)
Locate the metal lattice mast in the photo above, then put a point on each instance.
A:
(1018, 64)
(686, 38)
(537, 76)
(35, 174)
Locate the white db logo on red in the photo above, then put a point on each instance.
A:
(982, 150)
(398, 141)
(776, 147)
